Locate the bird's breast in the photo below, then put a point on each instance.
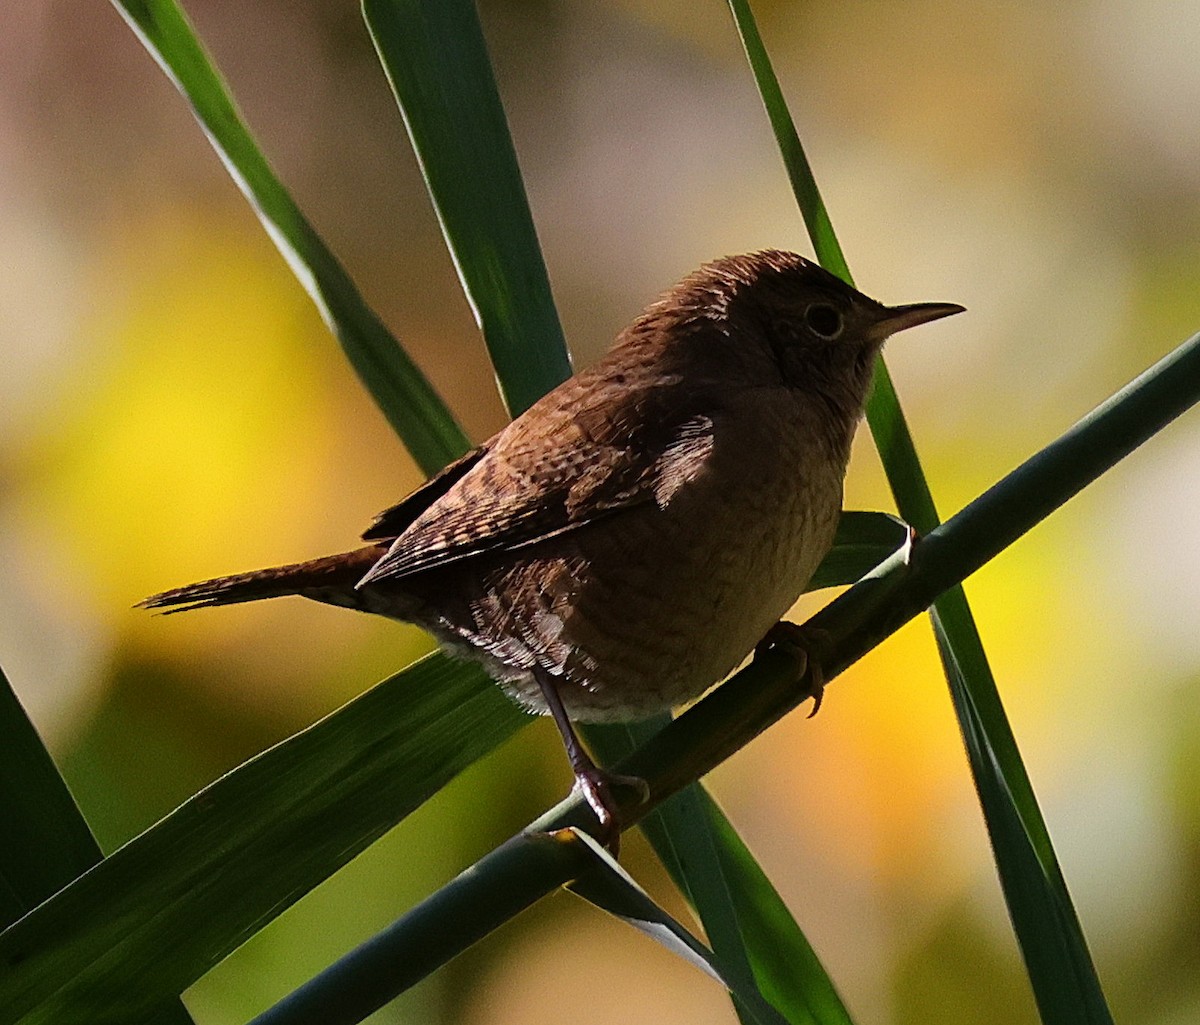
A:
(645, 609)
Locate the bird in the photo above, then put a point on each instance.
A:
(627, 541)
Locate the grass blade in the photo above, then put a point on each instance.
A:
(527, 867)
(788, 970)
(403, 394)
(611, 888)
(750, 928)
(989, 740)
(437, 63)
(46, 841)
(795, 160)
(172, 902)
(862, 542)
(1052, 944)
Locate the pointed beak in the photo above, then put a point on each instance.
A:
(900, 318)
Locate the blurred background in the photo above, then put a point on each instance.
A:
(172, 408)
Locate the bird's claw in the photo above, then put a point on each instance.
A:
(803, 643)
(596, 785)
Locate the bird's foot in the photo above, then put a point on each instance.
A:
(597, 787)
(594, 783)
(805, 644)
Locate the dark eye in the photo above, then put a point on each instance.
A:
(823, 321)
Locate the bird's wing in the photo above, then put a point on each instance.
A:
(582, 461)
(394, 521)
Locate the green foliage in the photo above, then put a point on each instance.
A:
(409, 402)
(171, 903)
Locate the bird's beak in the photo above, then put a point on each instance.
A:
(900, 318)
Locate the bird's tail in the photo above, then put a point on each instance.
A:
(330, 579)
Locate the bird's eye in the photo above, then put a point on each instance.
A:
(823, 321)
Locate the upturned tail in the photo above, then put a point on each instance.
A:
(330, 579)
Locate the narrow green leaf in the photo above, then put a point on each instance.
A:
(795, 160)
(403, 394)
(45, 841)
(862, 542)
(745, 919)
(788, 970)
(437, 62)
(682, 837)
(494, 890)
(171, 903)
(1043, 917)
(954, 623)
(607, 885)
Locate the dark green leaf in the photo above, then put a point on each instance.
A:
(1067, 955)
(788, 970)
(1056, 955)
(438, 65)
(862, 542)
(745, 919)
(168, 905)
(527, 867)
(610, 887)
(46, 842)
(407, 399)
(804, 184)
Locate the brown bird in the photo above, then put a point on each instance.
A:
(630, 538)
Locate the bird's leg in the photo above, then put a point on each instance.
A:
(593, 782)
(804, 643)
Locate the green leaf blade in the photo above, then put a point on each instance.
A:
(399, 388)
(795, 160)
(1057, 959)
(788, 970)
(46, 841)
(611, 888)
(862, 542)
(172, 902)
(971, 681)
(437, 62)
(749, 927)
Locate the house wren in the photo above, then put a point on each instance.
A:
(625, 542)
